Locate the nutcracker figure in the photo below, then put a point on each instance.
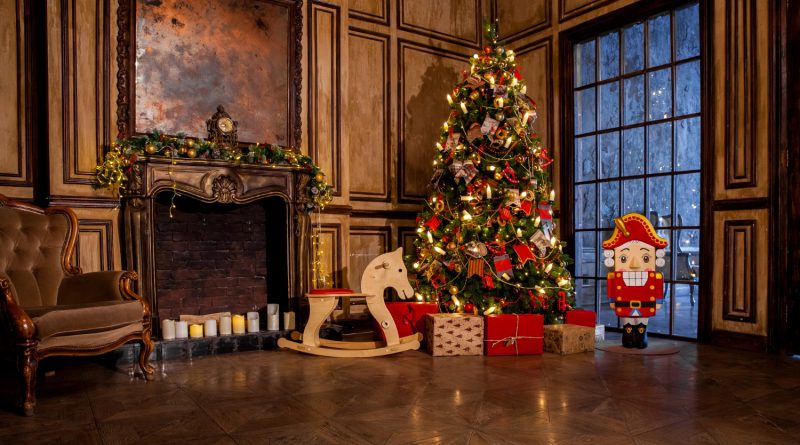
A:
(635, 289)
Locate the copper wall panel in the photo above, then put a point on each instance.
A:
(15, 171)
(324, 118)
(371, 10)
(518, 19)
(458, 21)
(368, 120)
(426, 75)
(94, 249)
(568, 9)
(739, 296)
(192, 56)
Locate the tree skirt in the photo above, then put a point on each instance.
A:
(655, 347)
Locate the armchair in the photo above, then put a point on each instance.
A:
(49, 308)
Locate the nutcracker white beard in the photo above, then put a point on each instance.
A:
(634, 279)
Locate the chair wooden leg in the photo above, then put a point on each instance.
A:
(148, 370)
(28, 364)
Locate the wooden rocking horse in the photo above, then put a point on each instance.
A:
(385, 271)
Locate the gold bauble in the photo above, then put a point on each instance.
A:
(500, 117)
(182, 150)
(319, 177)
(190, 143)
(451, 246)
(192, 153)
(498, 176)
(453, 290)
(474, 95)
(151, 148)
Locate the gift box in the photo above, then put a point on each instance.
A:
(568, 338)
(409, 317)
(512, 334)
(454, 334)
(582, 318)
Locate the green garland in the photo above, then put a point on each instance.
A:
(113, 173)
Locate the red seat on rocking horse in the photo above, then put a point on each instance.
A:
(384, 271)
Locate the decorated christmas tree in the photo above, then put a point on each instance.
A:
(486, 236)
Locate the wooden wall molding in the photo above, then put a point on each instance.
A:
(368, 116)
(740, 94)
(79, 119)
(522, 25)
(324, 110)
(544, 101)
(365, 243)
(568, 9)
(457, 8)
(379, 12)
(16, 153)
(94, 250)
(739, 253)
(334, 251)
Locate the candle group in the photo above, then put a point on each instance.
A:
(236, 324)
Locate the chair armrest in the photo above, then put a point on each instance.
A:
(17, 319)
(99, 286)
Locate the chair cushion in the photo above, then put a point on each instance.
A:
(62, 320)
(90, 342)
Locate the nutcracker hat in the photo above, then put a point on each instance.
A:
(634, 227)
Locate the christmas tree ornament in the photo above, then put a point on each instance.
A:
(433, 222)
(523, 252)
(192, 153)
(151, 148)
(489, 126)
(502, 265)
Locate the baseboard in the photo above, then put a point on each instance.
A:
(737, 340)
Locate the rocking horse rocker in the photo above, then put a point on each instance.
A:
(384, 271)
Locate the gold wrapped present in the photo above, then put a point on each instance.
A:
(568, 338)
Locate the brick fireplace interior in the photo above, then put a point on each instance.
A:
(219, 257)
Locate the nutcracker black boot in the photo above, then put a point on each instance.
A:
(641, 336)
(628, 336)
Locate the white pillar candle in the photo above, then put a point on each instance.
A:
(273, 317)
(225, 325)
(181, 329)
(252, 322)
(211, 328)
(288, 320)
(168, 329)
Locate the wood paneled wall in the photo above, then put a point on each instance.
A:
(375, 73)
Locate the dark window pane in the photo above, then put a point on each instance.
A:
(633, 152)
(667, 268)
(585, 206)
(609, 203)
(585, 294)
(685, 317)
(634, 100)
(606, 315)
(659, 195)
(687, 263)
(586, 253)
(585, 159)
(584, 63)
(687, 32)
(609, 55)
(608, 102)
(687, 88)
(633, 196)
(659, 95)
(687, 199)
(659, 148)
(609, 154)
(658, 34)
(584, 111)
(687, 144)
(633, 47)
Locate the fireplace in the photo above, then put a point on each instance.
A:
(238, 236)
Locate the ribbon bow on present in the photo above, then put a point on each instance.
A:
(511, 340)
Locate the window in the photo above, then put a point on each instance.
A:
(637, 126)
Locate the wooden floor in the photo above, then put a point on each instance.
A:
(703, 395)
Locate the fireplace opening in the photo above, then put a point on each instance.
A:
(219, 257)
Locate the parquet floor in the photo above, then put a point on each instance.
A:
(703, 395)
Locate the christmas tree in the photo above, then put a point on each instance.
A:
(486, 237)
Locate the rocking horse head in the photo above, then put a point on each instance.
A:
(387, 270)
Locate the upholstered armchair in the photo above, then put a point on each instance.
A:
(49, 308)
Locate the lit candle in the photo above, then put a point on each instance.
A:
(210, 328)
(491, 80)
(508, 142)
(552, 195)
(488, 192)
(196, 331)
(519, 233)
(181, 329)
(449, 100)
(273, 317)
(238, 324)
(225, 325)
(463, 107)
(168, 329)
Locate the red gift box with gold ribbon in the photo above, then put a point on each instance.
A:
(514, 334)
(408, 316)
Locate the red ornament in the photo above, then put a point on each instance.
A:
(469, 307)
(504, 213)
(524, 252)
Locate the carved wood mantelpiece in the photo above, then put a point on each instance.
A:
(213, 181)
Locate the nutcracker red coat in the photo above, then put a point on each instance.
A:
(635, 290)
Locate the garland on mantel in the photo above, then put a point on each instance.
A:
(117, 166)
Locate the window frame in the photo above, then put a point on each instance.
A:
(616, 20)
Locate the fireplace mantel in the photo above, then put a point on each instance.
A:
(213, 181)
